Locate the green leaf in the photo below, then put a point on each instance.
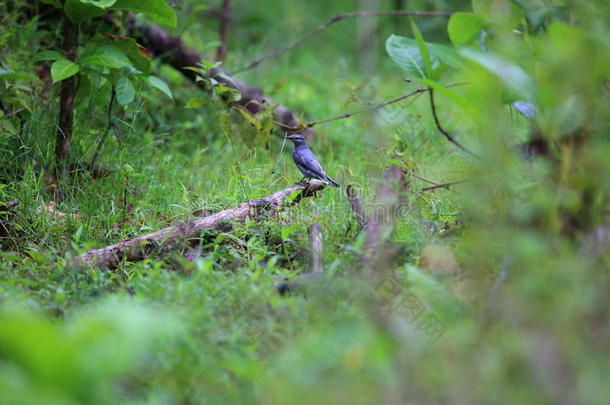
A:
(451, 94)
(107, 56)
(157, 10)
(6, 126)
(82, 10)
(47, 55)
(515, 78)
(54, 3)
(447, 55)
(12, 76)
(125, 93)
(137, 55)
(463, 28)
(196, 102)
(99, 3)
(62, 69)
(423, 49)
(504, 12)
(405, 53)
(159, 85)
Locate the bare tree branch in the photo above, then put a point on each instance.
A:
(338, 18)
(350, 114)
(443, 185)
(176, 53)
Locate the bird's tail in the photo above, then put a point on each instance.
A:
(332, 182)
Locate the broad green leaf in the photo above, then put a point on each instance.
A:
(136, 54)
(54, 3)
(81, 10)
(47, 55)
(423, 49)
(463, 28)
(405, 53)
(503, 12)
(447, 55)
(125, 93)
(107, 56)
(515, 78)
(451, 94)
(62, 69)
(157, 10)
(159, 85)
(100, 3)
(6, 126)
(13, 76)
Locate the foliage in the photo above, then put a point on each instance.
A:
(512, 263)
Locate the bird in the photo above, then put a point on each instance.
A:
(307, 162)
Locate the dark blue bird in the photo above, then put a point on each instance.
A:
(307, 162)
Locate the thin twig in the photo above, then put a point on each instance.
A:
(443, 185)
(350, 114)
(335, 19)
(17, 111)
(223, 30)
(417, 176)
(441, 129)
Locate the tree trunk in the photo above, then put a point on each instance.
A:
(66, 101)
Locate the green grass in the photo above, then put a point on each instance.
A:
(523, 316)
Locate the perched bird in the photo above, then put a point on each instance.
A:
(307, 162)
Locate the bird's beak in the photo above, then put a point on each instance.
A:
(291, 137)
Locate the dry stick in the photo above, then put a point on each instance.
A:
(225, 20)
(350, 114)
(417, 176)
(443, 185)
(335, 19)
(356, 205)
(441, 129)
(17, 111)
(138, 248)
(316, 251)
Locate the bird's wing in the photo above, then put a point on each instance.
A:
(308, 160)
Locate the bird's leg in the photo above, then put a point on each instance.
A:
(302, 181)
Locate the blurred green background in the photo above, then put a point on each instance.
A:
(499, 292)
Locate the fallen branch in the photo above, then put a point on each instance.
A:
(138, 248)
(177, 54)
(338, 18)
